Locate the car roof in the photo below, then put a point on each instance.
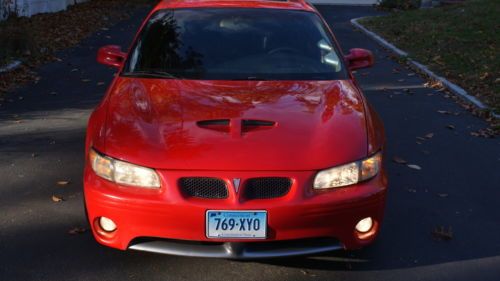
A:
(270, 4)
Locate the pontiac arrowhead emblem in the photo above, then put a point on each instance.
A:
(236, 183)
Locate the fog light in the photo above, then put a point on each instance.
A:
(107, 224)
(364, 225)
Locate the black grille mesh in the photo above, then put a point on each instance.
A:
(211, 188)
(266, 188)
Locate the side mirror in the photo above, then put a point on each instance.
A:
(359, 58)
(111, 56)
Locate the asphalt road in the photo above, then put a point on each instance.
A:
(41, 142)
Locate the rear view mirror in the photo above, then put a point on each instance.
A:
(111, 55)
(359, 58)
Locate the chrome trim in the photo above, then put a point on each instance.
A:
(236, 184)
(231, 250)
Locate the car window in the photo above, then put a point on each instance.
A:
(235, 44)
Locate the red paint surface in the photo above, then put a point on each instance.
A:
(153, 123)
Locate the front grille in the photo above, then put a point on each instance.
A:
(266, 188)
(210, 188)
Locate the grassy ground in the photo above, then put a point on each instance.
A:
(460, 42)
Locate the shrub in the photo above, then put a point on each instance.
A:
(399, 4)
(15, 41)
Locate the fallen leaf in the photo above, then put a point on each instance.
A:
(443, 112)
(436, 58)
(411, 190)
(485, 133)
(415, 167)
(57, 198)
(443, 195)
(421, 138)
(451, 127)
(399, 160)
(63, 182)
(77, 230)
(86, 80)
(100, 83)
(429, 135)
(443, 234)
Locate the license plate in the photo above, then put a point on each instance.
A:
(236, 224)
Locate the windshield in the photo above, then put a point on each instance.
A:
(235, 44)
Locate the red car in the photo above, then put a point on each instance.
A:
(234, 129)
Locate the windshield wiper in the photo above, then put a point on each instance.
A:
(151, 73)
(250, 78)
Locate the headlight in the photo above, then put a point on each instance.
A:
(349, 174)
(123, 172)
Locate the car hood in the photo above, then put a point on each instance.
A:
(235, 125)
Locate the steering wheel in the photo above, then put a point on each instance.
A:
(283, 50)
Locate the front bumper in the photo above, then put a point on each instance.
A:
(238, 250)
(303, 222)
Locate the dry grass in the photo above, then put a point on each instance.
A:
(34, 40)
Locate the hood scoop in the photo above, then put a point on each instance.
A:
(221, 125)
(249, 125)
(236, 126)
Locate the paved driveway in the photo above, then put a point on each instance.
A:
(41, 142)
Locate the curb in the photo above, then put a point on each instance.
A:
(454, 88)
(11, 66)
